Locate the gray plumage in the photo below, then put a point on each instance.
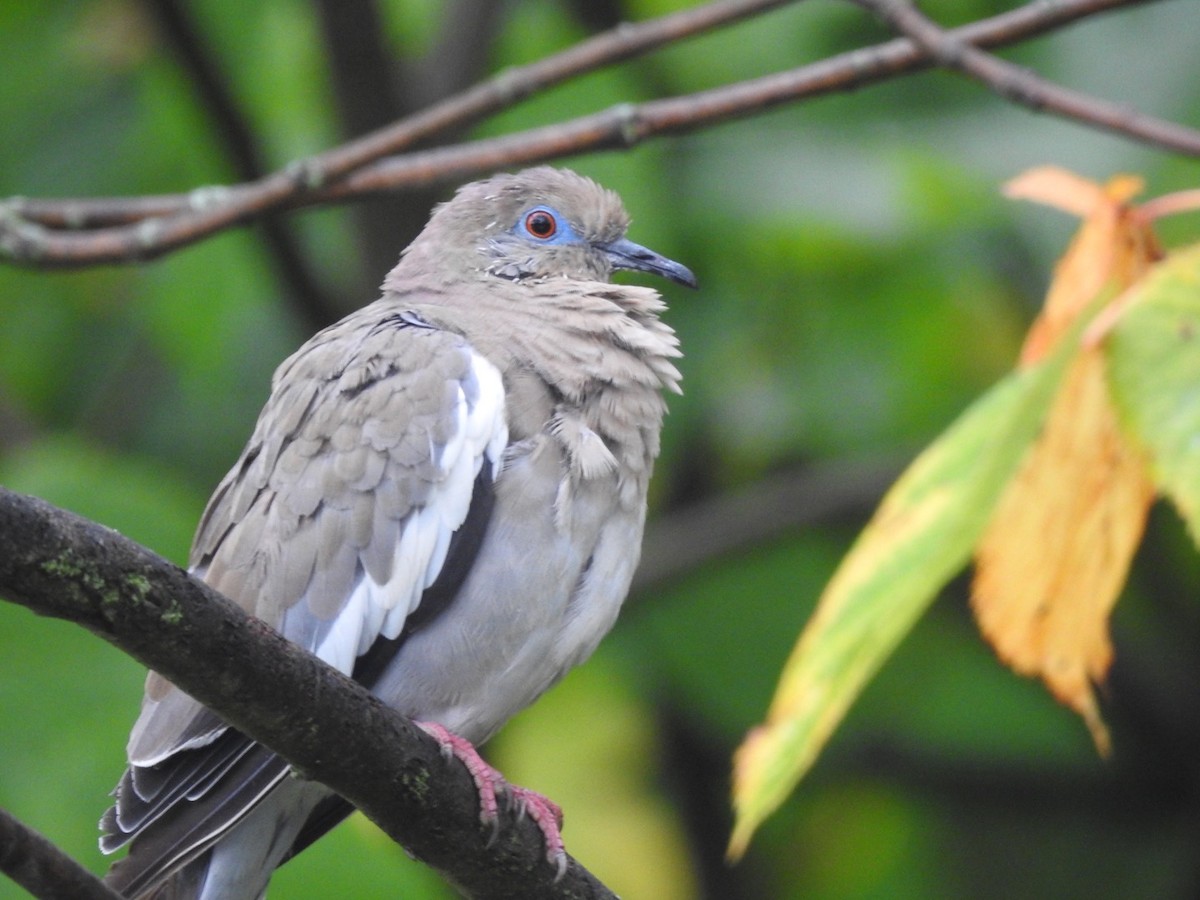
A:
(443, 496)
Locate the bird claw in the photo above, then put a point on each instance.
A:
(548, 817)
(489, 783)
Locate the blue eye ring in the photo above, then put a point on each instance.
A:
(540, 223)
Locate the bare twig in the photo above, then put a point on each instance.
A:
(64, 566)
(499, 92)
(1170, 205)
(41, 868)
(515, 84)
(1026, 88)
(196, 215)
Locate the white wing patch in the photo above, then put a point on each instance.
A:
(372, 609)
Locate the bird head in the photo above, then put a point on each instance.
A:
(539, 224)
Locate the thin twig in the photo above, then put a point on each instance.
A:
(1169, 205)
(208, 210)
(1025, 88)
(499, 92)
(515, 84)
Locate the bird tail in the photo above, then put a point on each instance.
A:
(185, 884)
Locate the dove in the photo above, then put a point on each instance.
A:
(443, 497)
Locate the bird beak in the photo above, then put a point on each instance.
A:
(625, 254)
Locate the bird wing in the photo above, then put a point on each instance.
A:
(351, 518)
(340, 512)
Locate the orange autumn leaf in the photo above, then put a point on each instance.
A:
(1057, 550)
(1114, 246)
(1037, 480)
(921, 535)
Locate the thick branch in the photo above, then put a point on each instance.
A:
(41, 868)
(64, 566)
(188, 218)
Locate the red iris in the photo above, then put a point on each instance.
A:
(541, 224)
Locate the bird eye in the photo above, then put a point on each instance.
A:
(541, 224)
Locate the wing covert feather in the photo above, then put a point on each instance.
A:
(361, 467)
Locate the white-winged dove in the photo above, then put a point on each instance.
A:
(443, 497)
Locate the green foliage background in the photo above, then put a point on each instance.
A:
(862, 281)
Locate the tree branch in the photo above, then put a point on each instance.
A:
(1024, 87)
(42, 869)
(351, 171)
(497, 93)
(61, 565)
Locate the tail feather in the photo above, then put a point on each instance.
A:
(173, 852)
(183, 884)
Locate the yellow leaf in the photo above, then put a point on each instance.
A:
(922, 534)
(1036, 479)
(1056, 553)
(1114, 246)
(1055, 556)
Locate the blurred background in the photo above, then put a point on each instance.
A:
(862, 281)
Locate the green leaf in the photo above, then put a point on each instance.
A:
(921, 535)
(1154, 371)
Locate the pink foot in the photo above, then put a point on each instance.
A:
(544, 812)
